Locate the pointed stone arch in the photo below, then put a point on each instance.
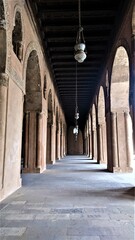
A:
(121, 145)
(33, 97)
(120, 81)
(32, 116)
(32, 46)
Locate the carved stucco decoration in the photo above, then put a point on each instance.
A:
(31, 46)
(9, 70)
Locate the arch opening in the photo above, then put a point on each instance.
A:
(32, 109)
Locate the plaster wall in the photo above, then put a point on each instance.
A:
(12, 163)
(74, 147)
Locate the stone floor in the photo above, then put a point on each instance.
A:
(75, 199)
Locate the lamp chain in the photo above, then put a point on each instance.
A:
(79, 10)
(76, 89)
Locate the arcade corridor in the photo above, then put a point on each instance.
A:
(74, 199)
(67, 119)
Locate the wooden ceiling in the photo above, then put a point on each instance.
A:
(57, 22)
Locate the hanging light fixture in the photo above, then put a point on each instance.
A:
(80, 46)
(76, 97)
(75, 130)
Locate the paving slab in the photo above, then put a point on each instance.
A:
(74, 199)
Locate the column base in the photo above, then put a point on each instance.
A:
(121, 170)
(34, 170)
(101, 162)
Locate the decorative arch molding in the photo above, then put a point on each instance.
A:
(31, 46)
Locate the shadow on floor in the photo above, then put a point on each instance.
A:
(90, 170)
(130, 192)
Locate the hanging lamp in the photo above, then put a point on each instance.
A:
(80, 54)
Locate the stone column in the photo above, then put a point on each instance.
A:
(53, 143)
(58, 144)
(120, 156)
(90, 145)
(26, 147)
(58, 141)
(87, 137)
(104, 142)
(133, 78)
(115, 157)
(61, 143)
(93, 140)
(129, 142)
(94, 144)
(3, 120)
(100, 143)
(64, 141)
(39, 141)
(31, 139)
(44, 141)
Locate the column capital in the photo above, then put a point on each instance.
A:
(4, 79)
